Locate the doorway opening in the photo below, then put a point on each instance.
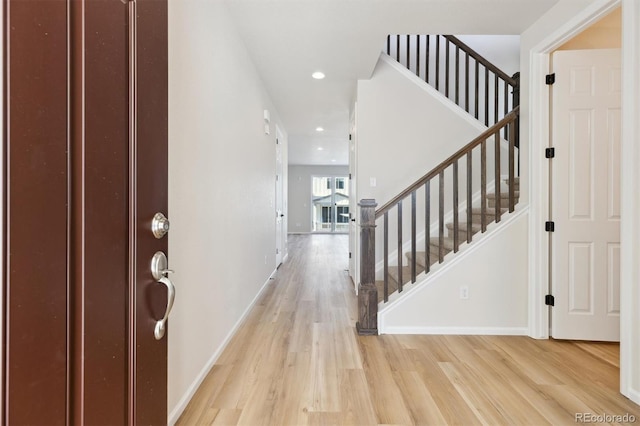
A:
(538, 130)
(330, 204)
(584, 190)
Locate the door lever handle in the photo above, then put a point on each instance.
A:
(160, 327)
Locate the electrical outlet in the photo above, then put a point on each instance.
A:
(464, 292)
(265, 259)
(372, 182)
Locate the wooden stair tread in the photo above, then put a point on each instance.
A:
(462, 227)
(503, 194)
(406, 274)
(488, 210)
(421, 258)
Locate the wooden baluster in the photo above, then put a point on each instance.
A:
(512, 141)
(441, 219)
(486, 96)
(483, 186)
(367, 292)
(427, 225)
(497, 176)
(516, 102)
(469, 196)
(477, 90)
(496, 99)
(506, 104)
(386, 257)
(455, 207)
(437, 62)
(408, 52)
(389, 45)
(418, 37)
(413, 237)
(446, 68)
(400, 247)
(398, 47)
(466, 82)
(427, 59)
(457, 75)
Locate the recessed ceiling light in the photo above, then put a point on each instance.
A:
(320, 148)
(318, 75)
(319, 129)
(333, 160)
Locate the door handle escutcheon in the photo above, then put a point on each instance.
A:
(160, 270)
(160, 328)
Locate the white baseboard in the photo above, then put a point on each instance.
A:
(184, 401)
(462, 331)
(634, 395)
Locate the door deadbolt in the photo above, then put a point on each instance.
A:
(159, 225)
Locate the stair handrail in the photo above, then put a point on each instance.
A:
(478, 57)
(449, 161)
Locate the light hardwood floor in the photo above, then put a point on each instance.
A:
(298, 361)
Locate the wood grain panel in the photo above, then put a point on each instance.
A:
(36, 212)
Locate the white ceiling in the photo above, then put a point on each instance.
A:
(290, 39)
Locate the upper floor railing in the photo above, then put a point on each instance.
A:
(459, 73)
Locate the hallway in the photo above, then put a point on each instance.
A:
(297, 360)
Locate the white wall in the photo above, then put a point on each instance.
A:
(604, 34)
(501, 50)
(496, 276)
(221, 188)
(405, 129)
(300, 193)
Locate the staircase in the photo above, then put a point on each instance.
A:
(448, 242)
(475, 172)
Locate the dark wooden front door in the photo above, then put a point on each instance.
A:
(85, 171)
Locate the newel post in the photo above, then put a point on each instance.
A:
(367, 292)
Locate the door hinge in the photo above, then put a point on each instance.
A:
(277, 178)
(349, 175)
(549, 153)
(550, 78)
(550, 226)
(349, 136)
(349, 255)
(549, 300)
(277, 251)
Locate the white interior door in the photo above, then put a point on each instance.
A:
(353, 204)
(586, 195)
(279, 202)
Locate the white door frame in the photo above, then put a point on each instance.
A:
(281, 207)
(630, 175)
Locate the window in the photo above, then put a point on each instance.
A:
(339, 183)
(343, 214)
(326, 214)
